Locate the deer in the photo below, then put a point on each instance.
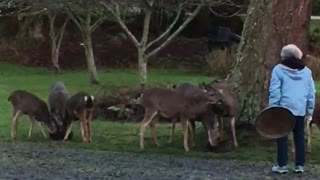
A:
(57, 100)
(171, 105)
(80, 107)
(228, 109)
(208, 118)
(26, 103)
(309, 124)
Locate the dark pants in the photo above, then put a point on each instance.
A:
(298, 135)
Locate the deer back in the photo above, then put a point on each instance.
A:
(166, 101)
(79, 103)
(28, 103)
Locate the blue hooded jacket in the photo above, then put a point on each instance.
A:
(292, 89)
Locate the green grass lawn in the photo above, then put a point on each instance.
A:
(118, 136)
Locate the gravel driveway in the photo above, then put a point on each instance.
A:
(30, 162)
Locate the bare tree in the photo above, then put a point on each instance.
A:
(56, 36)
(269, 25)
(31, 8)
(87, 15)
(147, 48)
(22, 7)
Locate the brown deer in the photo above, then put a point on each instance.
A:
(315, 120)
(80, 107)
(26, 103)
(57, 101)
(208, 118)
(228, 109)
(171, 105)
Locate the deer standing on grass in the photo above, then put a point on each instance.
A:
(57, 101)
(208, 118)
(26, 103)
(228, 109)
(315, 120)
(80, 107)
(171, 105)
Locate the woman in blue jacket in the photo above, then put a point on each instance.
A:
(292, 87)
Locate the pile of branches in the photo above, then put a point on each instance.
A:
(120, 104)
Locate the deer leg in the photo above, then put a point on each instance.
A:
(16, 115)
(89, 131)
(153, 132)
(42, 130)
(189, 132)
(31, 127)
(149, 115)
(89, 126)
(233, 129)
(83, 131)
(84, 127)
(172, 130)
(293, 149)
(221, 127)
(310, 134)
(185, 124)
(193, 133)
(67, 132)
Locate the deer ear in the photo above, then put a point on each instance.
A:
(92, 97)
(85, 98)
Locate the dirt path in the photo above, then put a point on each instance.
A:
(17, 162)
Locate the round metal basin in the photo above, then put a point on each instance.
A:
(275, 122)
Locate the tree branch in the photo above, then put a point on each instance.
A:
(121, 23)
(97, 23)
(61, 32)
(74, 18)
(184, 24)
(146, 26)
(167, 31)
(88, 21)
(52, 33)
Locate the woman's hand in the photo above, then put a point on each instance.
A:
(308, 118)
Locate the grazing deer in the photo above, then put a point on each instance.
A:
(25, 103)
(171, 105)
(208, 118)
(80, 107)
(228, 109)
(57, 101)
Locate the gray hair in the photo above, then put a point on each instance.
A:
(291, 50)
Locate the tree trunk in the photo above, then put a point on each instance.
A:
(56, 39)
(143, 74)
(55, 57)
(269, 25)
(53, 37)
(90, 59)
